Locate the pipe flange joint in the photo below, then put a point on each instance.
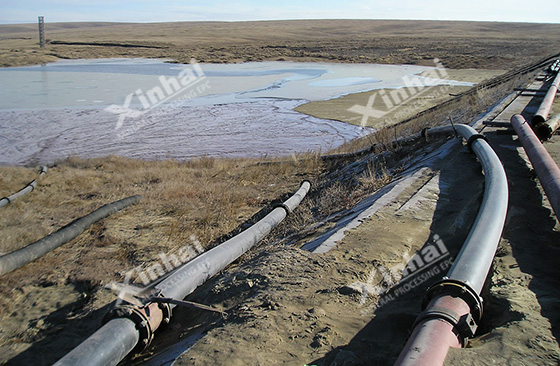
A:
(464, 326)
(473, 138)
(440, 313)
(458, 289)
(165, 310)
(146, 334)
(284, 206)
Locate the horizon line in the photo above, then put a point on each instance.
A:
(25, 22)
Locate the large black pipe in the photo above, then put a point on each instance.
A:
(101, 349)
(475, 258)
(453, 305)
(33, 251)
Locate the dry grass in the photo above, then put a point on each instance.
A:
(460, 44)
(207, 198)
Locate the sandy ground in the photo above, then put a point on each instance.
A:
(401, 104)
(286, 305)
(296, 308)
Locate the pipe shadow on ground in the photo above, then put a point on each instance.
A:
(529, 230)
(63, 334)
(382, 339)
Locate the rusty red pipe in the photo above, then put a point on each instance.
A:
(546, 105)
(545, 167)
(433, 336)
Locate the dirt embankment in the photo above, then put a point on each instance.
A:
(385, 107)
(285, 305)
(312, 308)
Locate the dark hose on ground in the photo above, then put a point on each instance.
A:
(102, 349)
(453, 306)
(25, 190)
(21, 257)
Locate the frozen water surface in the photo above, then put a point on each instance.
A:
(150, 109)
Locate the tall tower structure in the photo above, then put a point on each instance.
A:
(41, 31)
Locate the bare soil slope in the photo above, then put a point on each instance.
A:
(285, 305)
(303, 311)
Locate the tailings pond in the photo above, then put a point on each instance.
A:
(151, 109)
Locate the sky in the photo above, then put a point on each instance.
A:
(26, 11)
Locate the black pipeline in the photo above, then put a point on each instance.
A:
(25, 190)
(132, 327)
(453, 306)
(33, 251)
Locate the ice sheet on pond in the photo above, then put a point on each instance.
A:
(49, 112)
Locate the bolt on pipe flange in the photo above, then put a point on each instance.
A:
(459, 289)
(165, 310)
(142, 318)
